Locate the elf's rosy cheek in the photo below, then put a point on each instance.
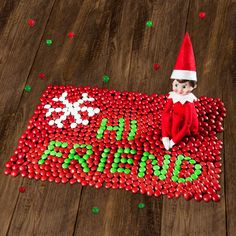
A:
(175, 90)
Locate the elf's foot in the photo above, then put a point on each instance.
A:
(166, 142)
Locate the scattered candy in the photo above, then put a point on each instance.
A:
(42, 75)
(156, 66)
(95, 210)
(101, 137)
(71, 35)
(27, 88)
(202, 15)
(141, 205)
(21, 189)
(106, 78)
(31, 22)
(49, 42)
(149, 24)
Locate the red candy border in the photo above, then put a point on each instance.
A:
(204, 148)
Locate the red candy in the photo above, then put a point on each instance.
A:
(71, 35)
(31, 22)
(156, 66)
(115, 161)
(202, 15)
(42, 75)
(21, 189)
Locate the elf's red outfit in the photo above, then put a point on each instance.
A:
(179, 118)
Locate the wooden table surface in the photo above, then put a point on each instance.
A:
(111, 38)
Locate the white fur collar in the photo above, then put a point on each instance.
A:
(182, 98)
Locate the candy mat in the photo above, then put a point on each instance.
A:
(100, 137)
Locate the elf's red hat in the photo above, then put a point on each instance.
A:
(185, 67)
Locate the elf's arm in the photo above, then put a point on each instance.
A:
(187, 124)
(165, 124)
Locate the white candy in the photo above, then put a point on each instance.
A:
(63, 117)
(47, 106)
(51, 122)
(58, 109)
(91, 99)
(79, 121)
(60, 125)
(83, 108)
(73, 125)
(64, 94)
(57, 121)
(91, 114)
(71, 108)
(89, 109)
(85, 122)
(48, 114)
(96, 110)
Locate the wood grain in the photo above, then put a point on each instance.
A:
(183, 217)
(16, 59)
(111, 38)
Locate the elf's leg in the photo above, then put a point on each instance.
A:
(177, 124)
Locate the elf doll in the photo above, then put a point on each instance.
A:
(179, 118)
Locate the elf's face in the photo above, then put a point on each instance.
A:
(182, 88)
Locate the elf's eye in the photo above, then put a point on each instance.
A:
(176, 85)
(184, 86)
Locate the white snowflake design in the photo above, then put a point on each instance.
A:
(71, 109)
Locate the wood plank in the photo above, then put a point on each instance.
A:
(48, 208)
(193, 218)
(15, 64)
(228, 76)
(18, 45)
(133, 48)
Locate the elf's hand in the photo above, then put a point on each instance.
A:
(166, 142)
(171, 143)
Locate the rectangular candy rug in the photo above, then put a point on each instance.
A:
(100, 137)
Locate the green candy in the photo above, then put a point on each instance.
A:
(127, 150)
(64, 145)
(100, 169)
(140, 175)
(157, 172)
(64, 165)
(162, 177)
(44, 156)
(149, 24)
(132, 151)
(142, 164)
(113, 170)
(95, 210)
(117, 160)
(151, 156)
(86, 169)
(59, 154)
(198, 167)
(114, 165)
(142, 169)
(141, 205)
(27, 88)
(130, 161)
(175, 178)
(40, 161)
(120, 169)
(106, 78)
(49, 42)
(127, 171)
